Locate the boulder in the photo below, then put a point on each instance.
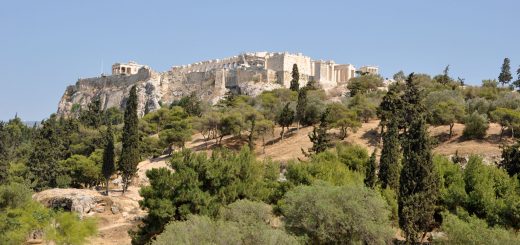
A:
(81, 201)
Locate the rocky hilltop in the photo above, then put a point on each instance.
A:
(247, 73)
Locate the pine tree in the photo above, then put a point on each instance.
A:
(130, 151)
(370, 173)
(108, 167)
(419, 187)
(505, 74)
(295, 82)
(43, 161)
(301, 105)
(389, 166)
(285, 119)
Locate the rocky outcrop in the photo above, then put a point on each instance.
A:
(153, 90)
(81, 201)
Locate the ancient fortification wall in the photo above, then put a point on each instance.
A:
(248, 72)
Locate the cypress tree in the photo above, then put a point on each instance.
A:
(389, 166)
(295, 82)
(130, 151)
(505, 74)
(301, 105)
(319, 137)
(370, 173)
(419, 188)
(517, 82)
(108, 167)
(285, 119)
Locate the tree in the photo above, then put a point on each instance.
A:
(511, 159)
(445, 78)
(130, 150)
(370, 173)
(108, 167)
(364, 84)
(319, 137)
(364, 108)
(263, 128)
(418, 188)
(505, 74)
(389, 163)
(475, 126)
(285, 119)
(507, 118)
(93, 116)
(446, 108)
(517, 82)
(295, 85)
(252, 116)
(43, 161)
(191, 104)
(391, 107)
(399, 76)
(301, 106)
(3, 154)
(177, 129)
(350, 214)
(343, 118)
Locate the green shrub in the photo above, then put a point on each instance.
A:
(475, 126)
(337, 215)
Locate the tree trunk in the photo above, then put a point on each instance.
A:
(263, 144)
(501, 132)
(343, 133)
(108, 180)
(451, 129)
(281, 134)
(512, 132)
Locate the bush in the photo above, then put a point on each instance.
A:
(337, 215)
(14, 195)
(475, 126)
(203, 230)
(452, 187)
(353, 156)
(471, 230)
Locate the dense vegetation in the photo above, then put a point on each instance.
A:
(338, 193)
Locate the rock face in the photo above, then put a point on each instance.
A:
(74, 200)
(153, 89)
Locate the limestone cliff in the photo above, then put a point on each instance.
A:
(153, 89)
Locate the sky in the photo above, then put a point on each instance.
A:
(47, 45)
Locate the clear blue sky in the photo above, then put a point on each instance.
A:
(47, 45)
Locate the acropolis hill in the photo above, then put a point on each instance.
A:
(246, 73)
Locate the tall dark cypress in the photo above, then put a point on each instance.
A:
(130, 151)
(295, 82)
(108, 167)
(370, 173)
(301, 105)
(419, 184)
(389, 166)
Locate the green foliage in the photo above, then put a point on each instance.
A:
(13, 195)
(342, 118)
(130, 151)
(301, 106)
(204, 230)
(511, 159)
(365, 108)
(479, 105)
(390, 197)
(475, 126)
(471, 230)
(82, 170)
(451, 182)
(327, 166)
(389, 163)
(370, 172)
(286, 118)
(201, 185)
(92, 117)
(334, 215)
(364, 84)
(507, 118)
(446, 108)
(67, 228)
(20, 216)
(295, 85)
(191, 105)
(353, 156)
(108, 167)
(390, 108)
(505, 74)
(419, 187)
